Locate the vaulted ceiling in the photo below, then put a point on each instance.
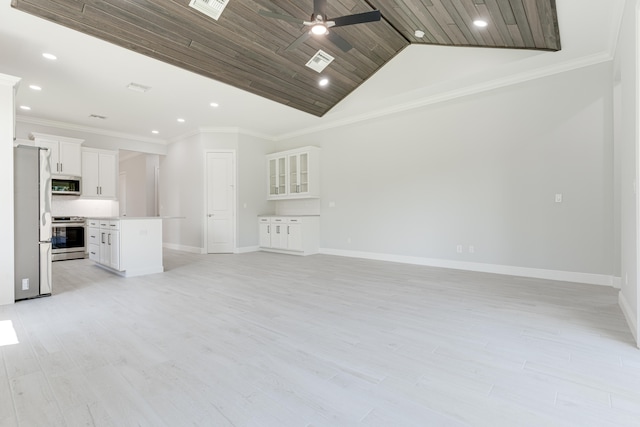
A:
(248, 51)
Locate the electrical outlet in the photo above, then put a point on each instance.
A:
(472, 249)
(459, 249)
(25, 284)
(559, 198)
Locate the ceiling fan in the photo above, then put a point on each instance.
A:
(320, 24)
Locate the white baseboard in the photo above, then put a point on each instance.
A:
(629, 315)
(247, 249)
(183, 248)
(564, 276)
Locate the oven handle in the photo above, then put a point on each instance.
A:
(67, 224)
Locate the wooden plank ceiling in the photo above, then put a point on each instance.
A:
(247, 50)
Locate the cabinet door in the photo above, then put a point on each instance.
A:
(277, 167)
(279, 235)
(294, 176)
(107, 175)
(70, 159)
(294, 236)
(90, 181)
(55, 154)
(105, 250)
(114, 249)
(265, 234)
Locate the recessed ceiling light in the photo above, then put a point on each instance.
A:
(155, 131)
(480, 23)
(24, 107)
(35, 87)
(419, 34)
(323, 81)
(50, 56)
(214, 104)
(181, 120)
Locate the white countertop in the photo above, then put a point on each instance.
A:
(285, 216)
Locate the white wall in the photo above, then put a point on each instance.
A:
(481, 170)
(182, 174)
(627, 136)
(7, 84)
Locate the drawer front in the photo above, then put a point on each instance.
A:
(277, 220)
(265, 220)
(93, 236)
(94, 253)
(93, 223)
(294, 220)
(104, 223)
(114, 225)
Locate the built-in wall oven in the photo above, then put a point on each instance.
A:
(68, 238)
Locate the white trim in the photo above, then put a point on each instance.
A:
(457, 93)
(184, 248)
(563, 276)
(617, 282)
(95, 131)
(628, 315)
(247, 249)
(8, 80)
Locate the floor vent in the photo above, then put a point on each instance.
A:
(319, 61)
(211, 8)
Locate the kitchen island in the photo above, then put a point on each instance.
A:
(128, 246)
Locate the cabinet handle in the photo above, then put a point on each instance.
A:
(277, 229)
(109, 239)
(93, 253)
(97, 190)
(298, 188)
(287, 229)
(102, 238)
(61, 170)
(268, 229)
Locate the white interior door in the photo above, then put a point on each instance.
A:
(221, 202)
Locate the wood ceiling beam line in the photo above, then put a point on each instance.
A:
(382, 17)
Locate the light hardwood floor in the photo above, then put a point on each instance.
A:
(262, 339)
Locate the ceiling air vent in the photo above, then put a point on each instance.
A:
(212, 8)
(97, 116)
(319, 61)
(136, 87)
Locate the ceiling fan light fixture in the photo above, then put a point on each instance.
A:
(319, 29)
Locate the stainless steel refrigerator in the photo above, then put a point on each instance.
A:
(32, 221)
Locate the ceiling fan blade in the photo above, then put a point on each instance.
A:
(358, 18)
(339, 41)
(281, 17)
(297, 42)
(319, 8)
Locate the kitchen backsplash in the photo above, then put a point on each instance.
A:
(75, 206)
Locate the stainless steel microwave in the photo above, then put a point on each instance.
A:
(66, 185)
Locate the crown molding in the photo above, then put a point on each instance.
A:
(7, 80)
(472, 89)
(87, 129)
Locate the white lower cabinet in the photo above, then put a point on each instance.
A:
(130, 247)
(299, 235)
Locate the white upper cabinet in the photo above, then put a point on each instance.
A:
(66, 154)
(99, 172)
(294, 174)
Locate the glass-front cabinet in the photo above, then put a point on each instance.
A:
(294, 174)
(277, 176)
(299, 173)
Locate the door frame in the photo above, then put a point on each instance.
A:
(234, 219)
